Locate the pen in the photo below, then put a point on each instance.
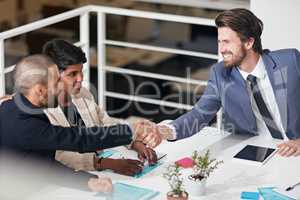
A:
(292, 187)
(161, 157)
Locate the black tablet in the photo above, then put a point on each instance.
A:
(256, 154)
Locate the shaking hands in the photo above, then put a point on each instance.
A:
(150, 133)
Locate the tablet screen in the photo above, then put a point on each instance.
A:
(254, 153)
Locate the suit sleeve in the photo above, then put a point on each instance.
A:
(40, 134)
(297, 61)
(202, 113)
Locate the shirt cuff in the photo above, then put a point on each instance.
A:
(169, 135)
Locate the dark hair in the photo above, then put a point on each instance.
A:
(244, 23)
(64, 53)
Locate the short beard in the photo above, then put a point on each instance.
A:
(238, 61)
(50, 103)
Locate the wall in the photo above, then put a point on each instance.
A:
(281, 22)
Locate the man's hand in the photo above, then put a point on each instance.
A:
(122, 166)
(100, 184)
(289, 148)
(147, 132)
(145, 153)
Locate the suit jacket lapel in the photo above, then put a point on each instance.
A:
(277, 76)
(243, 96)
(83, 111)
(57, 117)
(87, 111)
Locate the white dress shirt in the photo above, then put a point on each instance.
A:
(268, 96)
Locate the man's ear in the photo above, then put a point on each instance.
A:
(249, 43)
(39, 89)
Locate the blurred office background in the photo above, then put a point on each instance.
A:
(150, 32)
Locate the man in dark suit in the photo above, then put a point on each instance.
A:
(258, 90)
(26, 128)
(26, 131)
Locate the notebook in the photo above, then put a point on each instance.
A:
(129, 192)
(250, 195)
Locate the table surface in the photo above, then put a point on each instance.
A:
(227, 182)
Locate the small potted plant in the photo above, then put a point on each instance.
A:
(203, 167)
(173, 175)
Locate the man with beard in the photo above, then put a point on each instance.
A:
(77, 107)
(25, 127)
(25, 130)
(258, 90)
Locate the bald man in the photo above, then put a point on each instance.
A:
(26, 131)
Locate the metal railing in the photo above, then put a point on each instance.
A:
(102, 11)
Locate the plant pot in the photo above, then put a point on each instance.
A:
(195, 187)
(183, 196)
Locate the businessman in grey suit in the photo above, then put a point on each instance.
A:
(258, 90)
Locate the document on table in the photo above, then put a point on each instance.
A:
(119, 153)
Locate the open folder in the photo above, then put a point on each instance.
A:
(129, 192)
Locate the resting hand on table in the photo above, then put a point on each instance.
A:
(144, 152)
(126, 167)
(100, 184)
(289, 148)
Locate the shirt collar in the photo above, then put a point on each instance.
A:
(26, 106)
(259, 71)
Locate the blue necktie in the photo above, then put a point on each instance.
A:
(262, 107)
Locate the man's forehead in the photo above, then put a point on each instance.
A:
(226, 32)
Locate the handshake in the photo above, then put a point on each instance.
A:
(151, 134)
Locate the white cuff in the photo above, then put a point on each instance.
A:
(168, 124)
